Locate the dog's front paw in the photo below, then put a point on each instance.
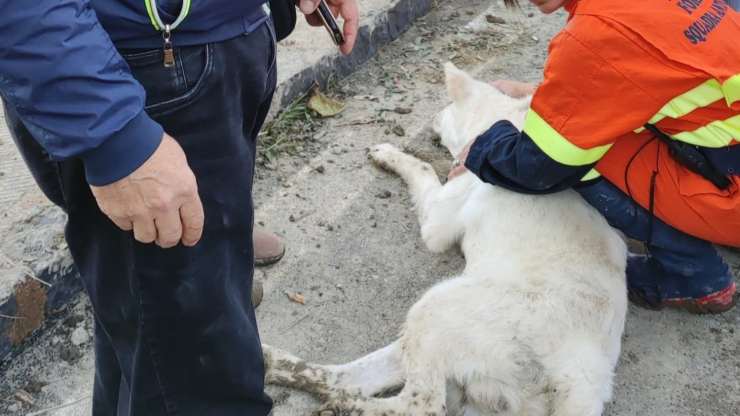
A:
(385, 156)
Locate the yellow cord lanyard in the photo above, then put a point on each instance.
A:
(166, 29)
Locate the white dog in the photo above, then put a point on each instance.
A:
(533, 324)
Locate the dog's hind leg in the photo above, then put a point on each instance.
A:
(287, 370)
(422, 395)
(437, 205)
(583, 380)
(375, 373)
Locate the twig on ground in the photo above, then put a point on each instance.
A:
(4, 258)
(14, 318)
(294, 324)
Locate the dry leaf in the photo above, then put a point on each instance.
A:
(323, 105)
(297, 298)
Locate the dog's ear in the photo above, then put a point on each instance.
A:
(459, 84)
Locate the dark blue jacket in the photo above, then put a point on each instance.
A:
(62, 75)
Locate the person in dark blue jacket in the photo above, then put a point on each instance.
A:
(139, 119)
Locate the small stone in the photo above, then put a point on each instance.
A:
(72, 320)
(402, 110)
(291, 218)
(384, 195)
(69, 353)
(320, 169)
(330, 227)
(14, 408)
(398, 130)
(495, 19)
(34, 387)
(79, 336)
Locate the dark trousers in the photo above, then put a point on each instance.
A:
(682, 266)
(175, 331)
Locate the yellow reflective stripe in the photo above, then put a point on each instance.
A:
(592, 174)
(558, 147)
(731, 89)
(700, 96)
(715, 134)
(149, 11)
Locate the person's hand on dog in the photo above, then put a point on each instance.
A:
(458, 167)
(514, 89)
(347, 9)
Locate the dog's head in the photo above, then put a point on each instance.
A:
(475, 107)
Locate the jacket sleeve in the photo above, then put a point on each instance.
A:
(575, 117)
(506, 157)
(61, 74)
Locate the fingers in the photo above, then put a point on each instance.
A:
(351, 15)
(498, 83)
(144, 230)
(456, 171)
(347, 9)
(192, 217)
(308, 6)
(169, 229)
(123, 223)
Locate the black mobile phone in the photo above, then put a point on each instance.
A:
(327, 18)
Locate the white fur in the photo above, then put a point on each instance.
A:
(533, 324)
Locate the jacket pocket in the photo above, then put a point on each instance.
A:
(692, 185)
(168, 89)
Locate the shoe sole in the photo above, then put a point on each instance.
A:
(266, 261)
(690, 307)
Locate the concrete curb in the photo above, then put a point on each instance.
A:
(384, 28)
(44, 284)
(31, 303)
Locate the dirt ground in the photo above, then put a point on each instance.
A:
(354, 251)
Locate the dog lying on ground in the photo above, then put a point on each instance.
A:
(533, 324)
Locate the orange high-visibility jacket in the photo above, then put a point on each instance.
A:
(619, 64)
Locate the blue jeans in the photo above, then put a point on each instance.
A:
(678, 266)
(175, 331)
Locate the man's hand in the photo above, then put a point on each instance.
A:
(345, 8)
(159, 201)
(458, 168)
(514, 89)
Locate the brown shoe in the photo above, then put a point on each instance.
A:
(268, 248)
(257, 293)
